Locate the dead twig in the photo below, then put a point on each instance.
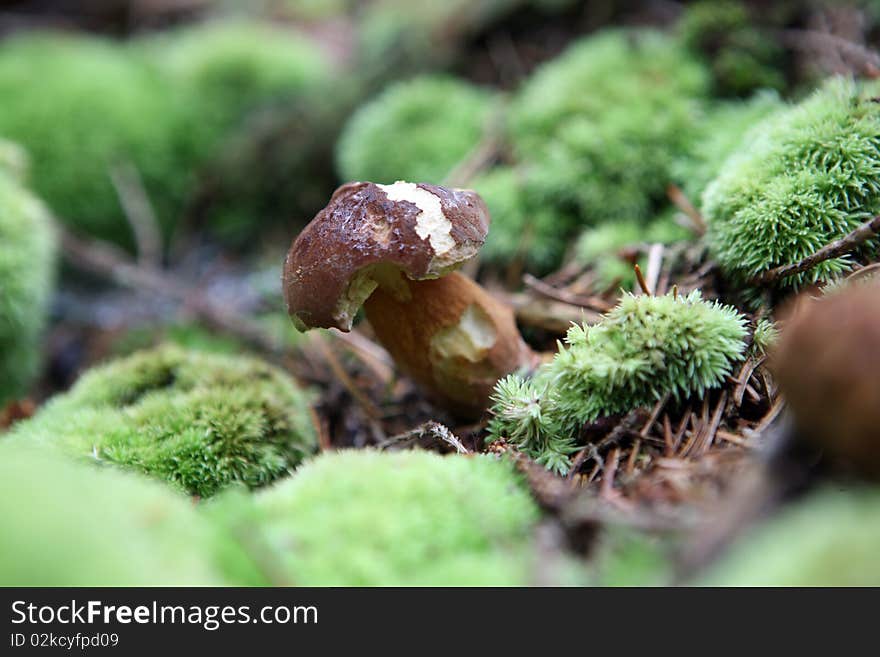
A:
(683, 203)
(427, 435)
(138, 211)
(835, 249)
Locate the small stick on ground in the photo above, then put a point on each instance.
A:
(609, 471)
(835, 249)
(425, 435)
(640, 278)
(683, 203)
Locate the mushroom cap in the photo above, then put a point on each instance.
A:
(369, 232)
(827, 364)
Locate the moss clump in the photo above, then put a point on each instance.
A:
(96, 107)
(198, 421)
(831, 538)
(808, 175)
(27, 266)
(600, 125)
(414, 130)
(230, 68)
(720, 133)
(741, 57)
(367, 518)
(518, 232)
(72, 524)
(644, 348)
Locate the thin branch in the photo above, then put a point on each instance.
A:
(138, 211)
(683, 203)
(835, 249)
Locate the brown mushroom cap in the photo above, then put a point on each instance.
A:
(366, 234)
(827, 364)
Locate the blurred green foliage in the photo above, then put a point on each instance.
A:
(741, 57)
(199, 421)
(75, 524)
(166, 106)
(27, 268)
(416, 130)
(599, 126)
(830, 538)
(368, 518)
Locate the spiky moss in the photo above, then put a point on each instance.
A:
(518, 231)
(741, 57)
(27, 267)
(720, 133)
(830, 538)
(418, 129)
(644, 348)
(600, 125)
(196, 420)
(74, 524)
(601, 247)
(368, 518)
(96, 107)
(808, 175)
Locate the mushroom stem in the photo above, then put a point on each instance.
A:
(449, 335)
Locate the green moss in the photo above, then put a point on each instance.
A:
(95, 107)
(27, 267)
(742, 58)
(831, 538)
(367, 518)
(721, 132)
(72, 524)
(233, 67)
(600, 125)
(602, 247)
(168, 105)
(414, 130)
(198, 421)
(644, 348)
(517, 231)
(807, 176)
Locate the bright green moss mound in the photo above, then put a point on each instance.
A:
(27, 266)
(831, 538)
(644, 348)
(82, 106)
(367, 518)
(414, 130)
(807, 176)
(198, 421)
(72, 524)
(601, 124)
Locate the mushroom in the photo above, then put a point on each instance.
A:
(394, 249)
(827, 364)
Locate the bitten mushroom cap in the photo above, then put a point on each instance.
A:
(337, 261)
(827, 364)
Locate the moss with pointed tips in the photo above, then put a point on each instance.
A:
(807, 176)
(643, 349)
(199, 421)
